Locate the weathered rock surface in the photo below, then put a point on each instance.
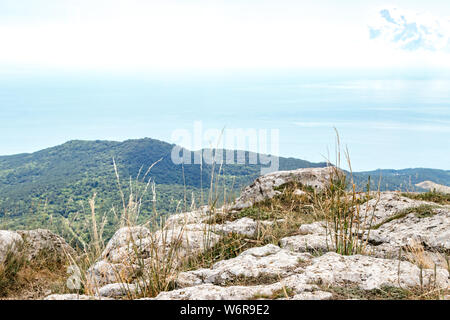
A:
(387, 205)
(117, 290)
(299, 275)
(263, 187)
(430, 185)
(72, 296)
(311, 238)
(103, 272)
(214, 292)
(123, 245)
(46, 243)
(267, 263)
(370, 273)
(432, 233)
(33, 243)
(134, 246)
(10, 242)
(244, 226)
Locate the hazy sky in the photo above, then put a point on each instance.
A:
(120, 69)
(130, 35)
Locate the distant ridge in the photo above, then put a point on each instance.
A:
(37, 187)
(430, 185)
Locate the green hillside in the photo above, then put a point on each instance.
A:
(403, 180)
(38, 189)
(51, 188)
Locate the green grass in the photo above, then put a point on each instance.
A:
(432, 196)
(422, 211)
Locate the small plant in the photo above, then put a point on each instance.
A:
(347, 223)
(9, 271)
(422, 211)
(432, 196)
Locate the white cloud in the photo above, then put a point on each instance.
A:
(137, 35)
(411, 31)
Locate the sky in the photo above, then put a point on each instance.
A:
(139, 35)
(119, 69)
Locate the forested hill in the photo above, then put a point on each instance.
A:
(56, 179)
(37, 188)
(404, 179)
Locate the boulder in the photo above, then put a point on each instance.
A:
(73, 296)
(103, 272)
(44, 243)
(118, 290)
(369, 273)
(268, 263)
(10, 242)
(264, 187)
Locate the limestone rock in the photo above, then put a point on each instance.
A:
(117, 290)
(46, 243)
(269, 291)
(72, 296)
(319, 243)
(214, 292)
(299, 193)
(431, 233)
(185, 218)
(244, 226)
(430, 185)
(387, 205)
(370, 273)
(124, 244)
(268, 263)
(10, 241)
(263, 187)
(103, 272)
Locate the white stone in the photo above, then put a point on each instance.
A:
(263, 187)
(10, 242)
(370, 273)
(73, 296)
(270, 262)
(117, 290)
(43, 241)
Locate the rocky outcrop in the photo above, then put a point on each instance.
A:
(312, 237)
(45, 243)
(264, 264)
(264, 187)
(369, 273)
(299, 276)
(430, 233)
(278, 290)
(40, 243)
(132, 250)
(387, 205)
(73, 296)
(430, 185)
(10, 242)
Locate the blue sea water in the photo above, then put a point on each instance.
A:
(387, 122)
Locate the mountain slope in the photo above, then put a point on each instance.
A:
(39, 188)
(56, 179)
(405, 179)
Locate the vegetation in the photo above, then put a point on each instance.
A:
(432, 196)
(52, 186)
(385, 293)
(89, 221)
(22, 279)
(421, 211)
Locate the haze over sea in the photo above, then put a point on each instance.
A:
(388, 120)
